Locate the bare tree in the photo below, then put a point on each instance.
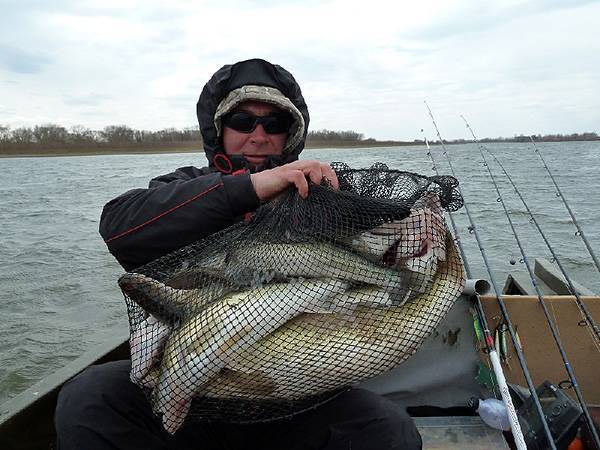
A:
(4, 133)
(50, 134)
(23, 135)
(118, 134)
(81, 135)
(329, 135)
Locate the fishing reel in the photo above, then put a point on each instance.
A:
(563, 415)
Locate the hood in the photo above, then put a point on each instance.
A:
(254, 79)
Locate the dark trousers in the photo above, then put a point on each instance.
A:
(102, 409)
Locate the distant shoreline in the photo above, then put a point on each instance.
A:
(183, 148)
(197, 148)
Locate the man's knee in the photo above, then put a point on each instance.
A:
(85, 396)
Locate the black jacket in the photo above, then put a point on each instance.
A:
(184, 206)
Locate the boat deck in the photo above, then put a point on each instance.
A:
(459, 433)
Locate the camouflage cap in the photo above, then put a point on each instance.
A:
(268, 95)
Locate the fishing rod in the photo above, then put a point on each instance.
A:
(587, 316)
(505, 393)
(553, 329)
(450, 216)
(560, 194)
(487, 335)
(489, 341)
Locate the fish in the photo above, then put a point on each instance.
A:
(200, 348)
(250, 263)
(415, 242)
(254, 264)
(317, 353)
(426, 246)
(171, 306)
(168, 304)
(148, 340)
(312, 260)
(414, 245)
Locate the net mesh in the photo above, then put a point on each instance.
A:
(281, 312)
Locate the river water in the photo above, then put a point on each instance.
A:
(58, 291)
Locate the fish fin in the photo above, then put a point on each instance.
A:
(150, 378)
(175, 415)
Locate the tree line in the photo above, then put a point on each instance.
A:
(587, 136)
(56, 136)
(51, 137)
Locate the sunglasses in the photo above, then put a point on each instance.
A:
(245, 122)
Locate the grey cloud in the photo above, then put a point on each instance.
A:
(22, 61)
(27, 47)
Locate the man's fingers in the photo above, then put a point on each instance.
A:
(330, 175)
(269, 183)
(318, 170)
(298, 178)
(316, 176)
(313, 171)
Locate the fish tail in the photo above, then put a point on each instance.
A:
(152, 295)
(172, 402)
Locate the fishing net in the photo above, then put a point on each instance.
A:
(284, 310)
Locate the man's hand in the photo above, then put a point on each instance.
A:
(270, 183)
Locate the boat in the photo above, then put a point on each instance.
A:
(440, 412)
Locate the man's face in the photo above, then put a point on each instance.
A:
(258, 144)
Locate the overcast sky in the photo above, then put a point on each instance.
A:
(509, 66)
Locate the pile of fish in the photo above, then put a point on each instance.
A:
(288, 320)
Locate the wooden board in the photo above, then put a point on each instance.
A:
(542, 355)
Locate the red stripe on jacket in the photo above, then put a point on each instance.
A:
(155, 218)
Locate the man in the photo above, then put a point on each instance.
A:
(253, 121)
